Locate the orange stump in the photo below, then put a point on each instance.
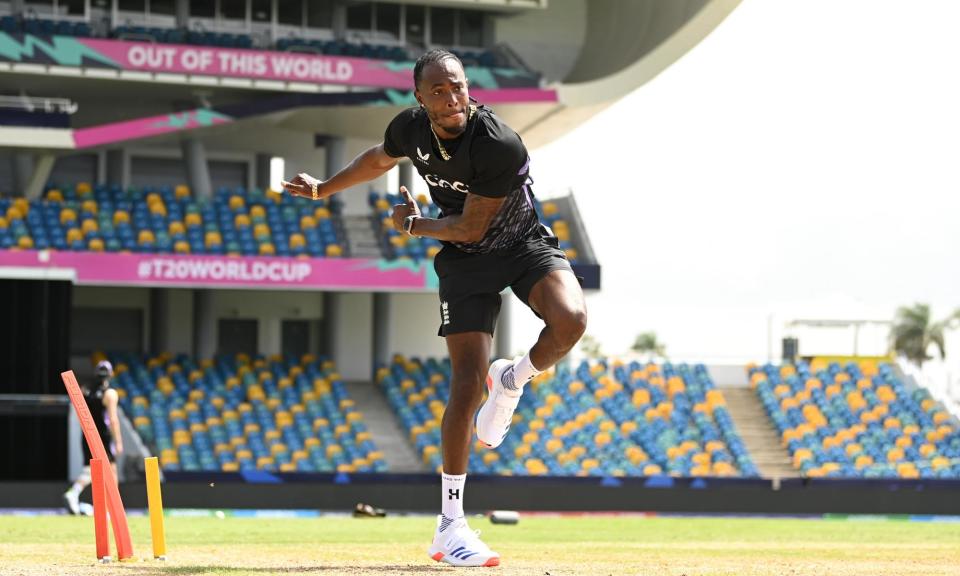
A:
(97, 474)
(118, 516)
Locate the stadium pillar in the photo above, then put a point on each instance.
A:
(42, 166)
(204, 325)
(22, 170)
(182, 13)
(405, 175)
(262, 171)
(336, 151)
(502, 342)
(159, 313)
(381, 330)
(117, 168)
(198, 172)
(332, 319)
(16, 7)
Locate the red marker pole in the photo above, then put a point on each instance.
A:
(118, 516)
(97, 473)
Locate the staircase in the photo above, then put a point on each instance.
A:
(388, 435)
(759, 435)
(362, 241)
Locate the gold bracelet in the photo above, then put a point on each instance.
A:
(313, 191)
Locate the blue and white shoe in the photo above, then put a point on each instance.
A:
(456, 544)
(496, 414)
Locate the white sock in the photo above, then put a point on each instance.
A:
(523, 371)
(75, 489)
(452, 494)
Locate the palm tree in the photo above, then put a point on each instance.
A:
(590, 347)
(647, 342)
(913, 332)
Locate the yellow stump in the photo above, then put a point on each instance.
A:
(155, 503)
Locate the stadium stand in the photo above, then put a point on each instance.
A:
(397, 245)
(602, 419)
(169, 219)
(857, 420)
(242, 414)
(13, 24)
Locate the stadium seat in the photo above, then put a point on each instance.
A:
(605, 419)
(857, 420)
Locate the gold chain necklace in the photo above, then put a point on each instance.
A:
(443, 151)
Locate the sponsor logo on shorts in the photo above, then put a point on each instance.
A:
(445, 313)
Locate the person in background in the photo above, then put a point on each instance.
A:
(102, 402)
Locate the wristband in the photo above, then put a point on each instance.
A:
(408, 224)
(314, 192)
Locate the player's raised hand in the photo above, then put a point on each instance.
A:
(410, 201)
(401, 211)
(302, 185)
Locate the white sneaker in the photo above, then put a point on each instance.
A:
(458, 545)
(71, 502)
(496, 414)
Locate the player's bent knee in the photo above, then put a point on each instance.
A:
(570, 326)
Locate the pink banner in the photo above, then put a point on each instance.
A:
(97, 268)
(259, 64)
(144, 127)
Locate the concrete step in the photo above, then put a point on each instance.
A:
(759, 435)
(387, 432)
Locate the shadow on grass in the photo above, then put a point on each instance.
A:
(390, 569)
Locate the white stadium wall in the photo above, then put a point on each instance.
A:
(414, 320)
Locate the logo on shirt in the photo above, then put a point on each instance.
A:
(425, 158)
(434, 180)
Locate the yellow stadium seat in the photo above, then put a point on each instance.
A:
(321, 213)
(652, 470)
(158, 209)
(181, 191)
(54, 195)
(83, 188)
(74, 235)
(261, 230)
(334, 251)
(66, 215)
(241, 221)
(192, 220)
(95, 245)
(25, 243)
(236, 203)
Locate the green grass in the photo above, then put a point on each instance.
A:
(538, 546)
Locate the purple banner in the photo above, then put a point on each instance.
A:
(96, 268)
(258, 64)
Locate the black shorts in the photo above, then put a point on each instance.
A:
(470, 284)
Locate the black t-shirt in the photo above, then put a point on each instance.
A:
(93, 395)
(488, 159)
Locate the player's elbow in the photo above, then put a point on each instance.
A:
(472, 232)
